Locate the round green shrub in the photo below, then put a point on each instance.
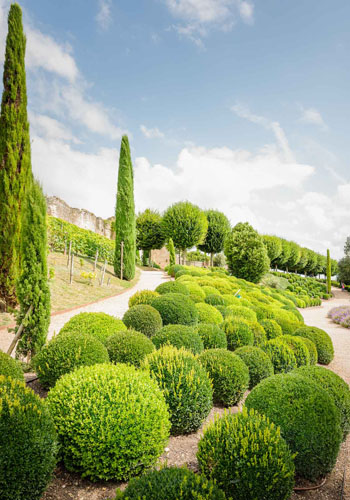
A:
(179, 336)
(175, 309)
(143, 297)
(100, 325)
(228, 373)
(336, 387)
(65, 353)
(129, 347)
(223, 310)
(258, 362)
(112, 421)
(28, 442)
(322, 341)
(296, 313)
(238, 333)
(272, 328)
(307, 416)
(208, 314)
(242, 312)
(248, 458)
(311, 347)
(171, 483)
(185, 384)
(182, 272)
(195, 291)
(232, 300)
(143, 318)
(260, 337)
(172, 287)
(286, 320)
(215, 300)
(299, 348)
(281, 355)
(210, 290)
(213, 336)
(10, 367)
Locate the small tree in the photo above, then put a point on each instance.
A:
(171, 250)
(344, 270)
(283, 258)
(246, 253)
(273, 246)
(149, 231)
(32, 286)
(186, 224)
(311, 265)
(347, 247)
(301, 265)
(125, 228)
(218, 228)
(329, 272)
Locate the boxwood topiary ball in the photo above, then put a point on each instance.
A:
(143, 318)
(195, 291)
(100, 325)
(308, 418)
(112, 421)
(214, 299)
(65, 353)
(129, 347)
(10, 367)
(258, 363)
(311, 347)
(299, 348)
(272, 328)
(172, 287)
(179, 336)
(322, 341)
(228, 373)
(186, 386)
(209, 314)
(143, 297)
(281, 355)
(245, 454)
(260, 337)
(28, 442)
(238, 333)
(176, 309)
(213, 336)
(242, 312)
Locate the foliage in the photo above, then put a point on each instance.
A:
(245, 454)
(281, 355)
(329, 273)
(344, 270)
(179, 336)
(274, 281)
(28, 442)
(308, 418)
(208, 314)
(185, 384)
(228, 373)
(10, 367)
(271, 327)
(143, 318)
(175, 309)
(242, 312)
(299, 348)
(172, 287)
(100, 399)
(260, 337)
(195, 292)
(273, 246)
(311, 347)
(100, 325)
(149, 233)
(212, 336)
(219, 260)
(143, 297)
(258, 363)
(215, 299)
(218, 229)
(238, 333)
(340, 315)
(171, 250)
(128, 347)
(323, 342)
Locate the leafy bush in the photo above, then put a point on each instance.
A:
(195, 291)
(322, 341)
(185, 384)
(238, 333)
(212, 336)
(297, 314)
(172, 287)
(247, 457)
(210, 290)
(299, 348)
(28, 442)
(176, 308)
(223, 310)
(65, 353)
(129, 347)
(288, 326)
(311, 347)
(143, 318)
(89, 404)
(214, 299)
(143, 297)
(308, 418)
(228, 373)
(258, 363)
(179, 336)
(100, 325)
(10, 367)
(242, 312)
(171, 483)
(272, 328)
(260, 337)
(281, 355)
(209, 314)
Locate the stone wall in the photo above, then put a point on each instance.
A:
(160, 257)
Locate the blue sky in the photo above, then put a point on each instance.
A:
(237, 105)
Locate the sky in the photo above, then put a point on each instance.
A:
(237, 105)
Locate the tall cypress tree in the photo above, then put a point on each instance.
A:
(32, 285)
(15, 162)
(171, 250)
(125, 226)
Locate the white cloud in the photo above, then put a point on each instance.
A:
(313, 116)
(50, 128)
(151, 133)
(104, 15)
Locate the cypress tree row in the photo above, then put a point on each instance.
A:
(32, 285)
(15, 162)
(125, 227)
(329, 272)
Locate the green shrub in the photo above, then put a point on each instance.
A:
(195, 291)
(215, 299)
(311, 347)
(100, 325)
(308, 418)
(129, 347)
(223, 310)
(185, 384)
(288, 327)
(171, 483)
(322, 341)
(281, 355)
(260, 337)
(143, 297)
(28, 442)
(336, 387)
(299, 348)
(176, 308)
(65, 353)
(258, 363)
(10, 367)
(91, 403)
(228, 373)
(143, 318)
(213, 337)
(296, 313)
(208, 314)
(238, 333)
(247, 457)
(172, 287)
(179, 336)
(210, 290)
(242, 312)
(272, 328)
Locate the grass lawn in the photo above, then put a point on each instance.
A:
(80, 292)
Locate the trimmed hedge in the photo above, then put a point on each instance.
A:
(322, 341)
(195, 291)
(228, 373)
(175, 309)
(89, 404)
(215, 299)
(212, 336)
(143, 297)
(143, 318)
(272, 328)
(308, 418)
(281, 355)
(311, 347)
(172, 287)
(208, 314)
(129, 347)
(242, 312)
(28, 442)
(238, 333)
(260, 337)
(10, 367)
(258, 362)
(179, 336)
(100, 325)
(245, 454)
(299, 348)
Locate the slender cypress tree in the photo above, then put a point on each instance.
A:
(329, 273)
(171, 250)
(125, 226)
(32, 285)
(15, 162)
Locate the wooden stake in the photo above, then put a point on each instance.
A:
(103, 273)
(121, 259)
(65, 248)
(71, 269)
(96, 258)
(19, 331)
(69, 252)
(109, 280)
